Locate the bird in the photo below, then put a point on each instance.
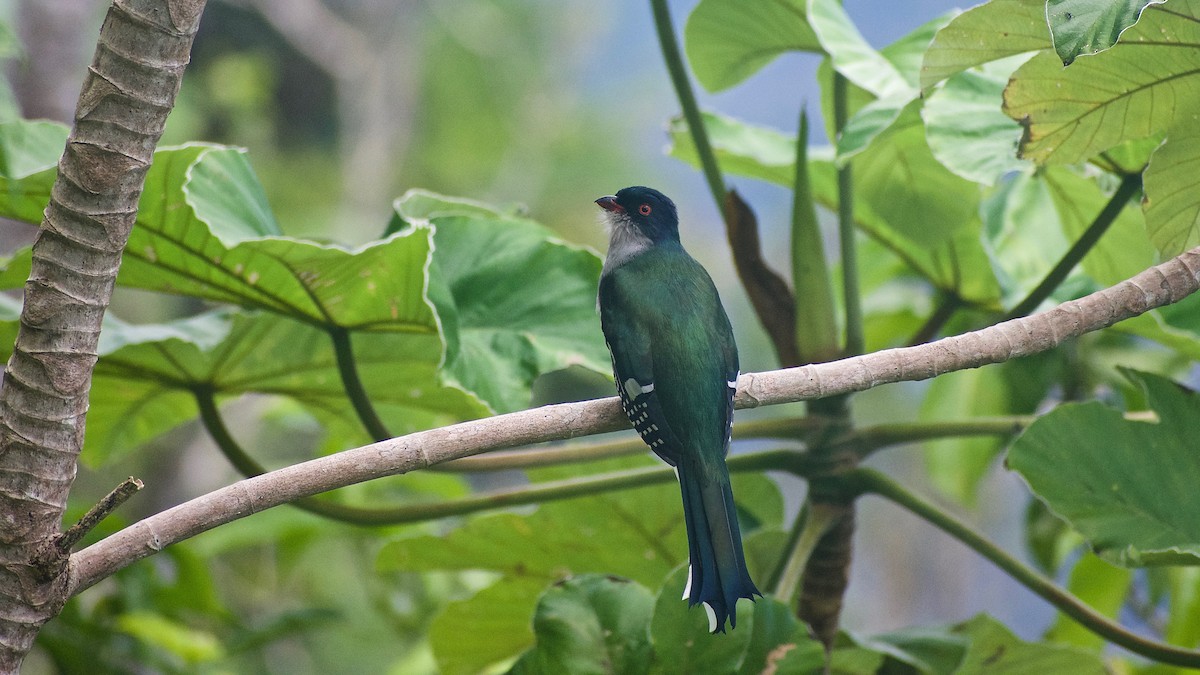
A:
(675, 365)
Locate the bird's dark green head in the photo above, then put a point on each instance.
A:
(646, 210)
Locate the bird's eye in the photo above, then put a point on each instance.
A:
(644, 209)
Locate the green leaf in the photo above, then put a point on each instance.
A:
(928, 650)
(1088, 26)
(988, 32)
(775, 625)
(808, 658)
(10, 316)
(28, 147)
(1048, 539)
(967, 131)
(994, 650)
(1126, 486)
(490, 627)
(1102, 587)
(742, 149)
(851, 55)
(759, 501)
(190, 645)
(958, 263)
(591, 624)
(636, 533)
(1136, 89)
(682, 643)
(1123, 251)
(727, 41)
(1172, 182)
(956, 466)
(1020, 235)
(142, 383)
(1183, 624)
(899, 179)
(509, 330)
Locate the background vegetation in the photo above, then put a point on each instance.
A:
(962, 177)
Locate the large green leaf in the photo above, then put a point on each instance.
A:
(1172, 181)
(775, 624)
(1104, 588)
(958, 263)
(1128, 487)
(727, 41)
(967, 131)
(900, 181)
(1134, 90)
(869, 113)
(742, 149)
(682, 643)
(994, 650)
(143, 381)
(990, 31)
(591, 624)
(851, 55)
(1123, 251)
(10, 315)
(29, 147)
(29, 153)
(491, 627)
(1021, 234)
(956, 466)
(523, 302)
(1088, 26)
(204, 229)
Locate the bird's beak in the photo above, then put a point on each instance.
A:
(609, 203)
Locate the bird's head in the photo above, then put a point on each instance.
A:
(643, 210)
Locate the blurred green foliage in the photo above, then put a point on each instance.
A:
(455, 309)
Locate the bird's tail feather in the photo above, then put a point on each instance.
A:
(717, 574)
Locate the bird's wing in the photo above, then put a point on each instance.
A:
(630, 344)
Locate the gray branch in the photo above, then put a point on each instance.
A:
(1158, 286)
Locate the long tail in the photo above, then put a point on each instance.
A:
(717, 574)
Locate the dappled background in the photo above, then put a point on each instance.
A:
(343, 107)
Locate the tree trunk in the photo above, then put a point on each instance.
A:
(130, 88)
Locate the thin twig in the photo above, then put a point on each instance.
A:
(111, 502)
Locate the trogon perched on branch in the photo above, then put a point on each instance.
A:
(676, 369)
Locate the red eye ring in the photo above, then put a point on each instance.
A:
(644, 209)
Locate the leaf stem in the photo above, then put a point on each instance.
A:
(1130, 184)
(812, 524)
(348, 369)
(845, 187)
(873, 482)
(214, 424)
(950, 303)
(687, 101)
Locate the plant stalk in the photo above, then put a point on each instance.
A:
(873, 482)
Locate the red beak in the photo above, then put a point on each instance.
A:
(609, 203)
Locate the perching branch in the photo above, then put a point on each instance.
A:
(1160, 285)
